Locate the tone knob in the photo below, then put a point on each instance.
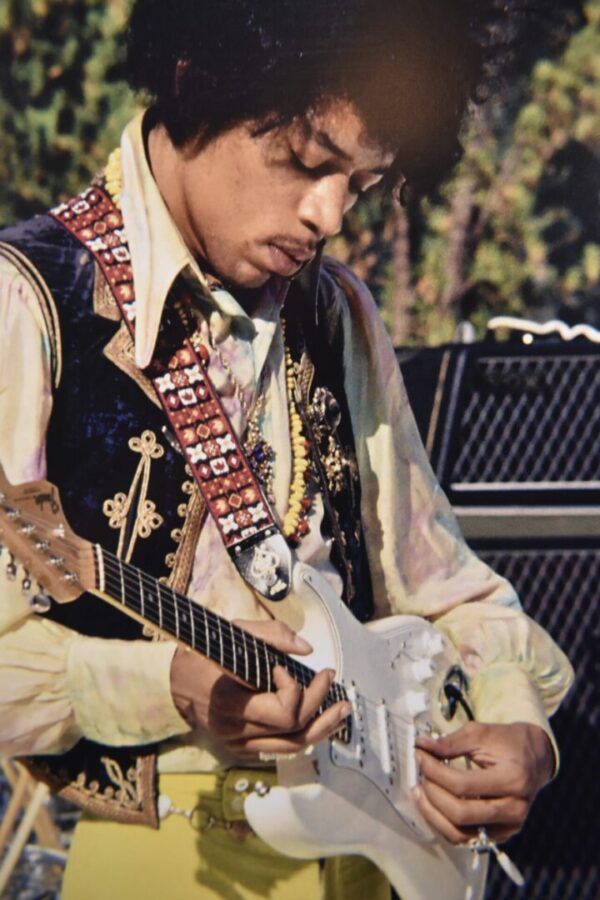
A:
(434, 644)
(422, 669)
(416, 702)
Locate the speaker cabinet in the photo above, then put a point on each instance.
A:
(513, 433)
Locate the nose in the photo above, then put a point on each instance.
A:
(324, 203)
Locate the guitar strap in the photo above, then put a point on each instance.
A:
(196, 416)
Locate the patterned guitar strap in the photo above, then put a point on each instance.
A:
(229, 487)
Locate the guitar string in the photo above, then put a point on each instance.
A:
(226, 656)
(179, 627)
(373, 706)
(132, 575)
(303, 674)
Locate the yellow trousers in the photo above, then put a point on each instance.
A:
(202, 857)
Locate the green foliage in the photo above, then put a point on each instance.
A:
(526, 239)
(514, 230)
(63, 100)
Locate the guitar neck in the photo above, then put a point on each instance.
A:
(248, 658)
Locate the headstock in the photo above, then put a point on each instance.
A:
(34, 530)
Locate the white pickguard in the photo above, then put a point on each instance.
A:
(354, 798)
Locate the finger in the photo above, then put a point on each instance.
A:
(278, 634)
(465, 813)
(464, 741)
(289, 708)
(438, 821)
(322, 727)
(495, 781)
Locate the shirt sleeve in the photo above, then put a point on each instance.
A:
(419, 561)
(57, 686)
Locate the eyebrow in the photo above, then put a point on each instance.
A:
(325, 141)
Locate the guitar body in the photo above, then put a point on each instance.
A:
(354, 798)
(346, 795)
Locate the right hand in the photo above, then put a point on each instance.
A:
(246, 722)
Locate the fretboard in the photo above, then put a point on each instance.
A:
(248, 658)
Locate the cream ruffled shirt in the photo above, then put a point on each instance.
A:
(57, 685)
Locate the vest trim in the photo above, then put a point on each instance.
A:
(46, 304)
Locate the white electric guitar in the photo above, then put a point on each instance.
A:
(346, 795)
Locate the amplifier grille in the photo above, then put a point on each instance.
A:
(529, 419)
(558, 848)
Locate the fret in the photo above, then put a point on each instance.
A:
(99, 554)
(246, 666)
(193, 624)
(234, 648)
(160, 608)
(142, 610)
(268, 673)
(122, 580)
(176, 609)
(257, 660)
(207, 635)
(220, 630)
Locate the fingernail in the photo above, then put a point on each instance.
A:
(301, 644)
(417, 793)
(346, 711)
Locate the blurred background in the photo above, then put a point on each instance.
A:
(515, 229)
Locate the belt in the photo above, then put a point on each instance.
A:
(213, 800)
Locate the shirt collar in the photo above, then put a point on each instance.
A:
(158, 252)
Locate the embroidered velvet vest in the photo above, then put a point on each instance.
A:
(122, 485)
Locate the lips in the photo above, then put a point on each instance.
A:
(286, 260)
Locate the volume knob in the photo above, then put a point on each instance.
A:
(416, 702)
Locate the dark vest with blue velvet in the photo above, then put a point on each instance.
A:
(105, 430)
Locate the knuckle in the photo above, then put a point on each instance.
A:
(520, 784)
(288, 720)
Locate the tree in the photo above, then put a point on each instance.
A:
(516, 228)
(63, 99)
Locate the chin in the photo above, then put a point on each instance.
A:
(248, 278)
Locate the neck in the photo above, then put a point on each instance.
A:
(166, 164)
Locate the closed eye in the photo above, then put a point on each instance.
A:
(319, 171)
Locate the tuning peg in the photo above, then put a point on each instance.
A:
(42, 545)
(40, 603)
(26, 583)
(56, 560)
(11, 568)
(27, 528)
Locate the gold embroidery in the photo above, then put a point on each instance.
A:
(118, 510)
(105, 304)
(120, 352)
(124, 797)
(193, 513)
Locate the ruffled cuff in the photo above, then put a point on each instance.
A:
(503, 694)
(120, 691)
(36, 715)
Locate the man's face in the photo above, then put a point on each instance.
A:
(256, 206)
